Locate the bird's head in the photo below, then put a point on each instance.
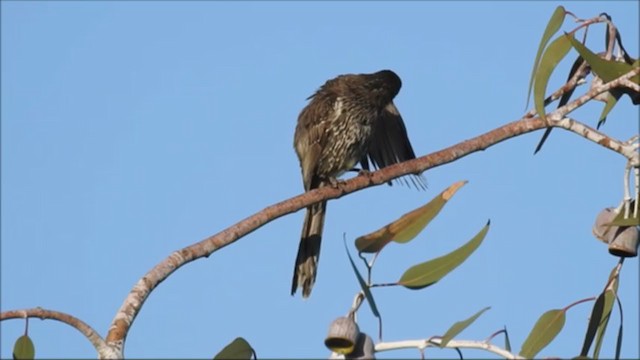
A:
(384, 84)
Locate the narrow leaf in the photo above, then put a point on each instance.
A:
(507, 343)
(556, 51)
(606, 70)
(628, 59)
(363, 285)
(428, 273)
(632, 221)
(459, 326)
(618, 343)
(619, 337)
(609, 299)
(239, 348)
(544, 331)
(594, 322)
(23, 348)
(611, 102)
(409, 225)
(552, 27)
(619, 220)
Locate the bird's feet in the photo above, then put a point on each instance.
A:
(336, 183)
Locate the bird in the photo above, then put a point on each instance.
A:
(350, 119)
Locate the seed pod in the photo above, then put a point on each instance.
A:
(364, 348)
(343, 335)
(625, 242)
(601, 229)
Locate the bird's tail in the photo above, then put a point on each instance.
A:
(304, 273)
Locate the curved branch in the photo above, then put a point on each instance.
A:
(96, 340)
(138, 295)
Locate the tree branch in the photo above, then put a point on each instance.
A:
(460, 344)
(96, 340)
(631, 85)
(138, 295)
(113, 348)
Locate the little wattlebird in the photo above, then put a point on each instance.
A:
(350, 119)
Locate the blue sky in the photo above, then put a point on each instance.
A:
(133, 129)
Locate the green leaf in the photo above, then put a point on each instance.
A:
(459, 326)
(594, 322)
(544, 331)
(363, 285)
(23, 348)
(606, 70)
(556, 51)
(619, 220)
(611, 102)
(428, 273)
(632, 221)
(239, 348)
(610, 295)
(619, 337)
(409, 225)
(552, 27)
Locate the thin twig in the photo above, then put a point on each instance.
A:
(452, 344)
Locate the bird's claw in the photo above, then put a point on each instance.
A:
(364, 172)
(336, 183)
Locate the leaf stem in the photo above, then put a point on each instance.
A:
(593, 298)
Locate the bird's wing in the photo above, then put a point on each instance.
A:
(311, 136)
(390, 143)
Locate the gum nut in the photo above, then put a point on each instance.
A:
(343, 335)
(364, 348)
(601, 230)
(625, 243)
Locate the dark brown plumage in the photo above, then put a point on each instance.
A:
(350, 119)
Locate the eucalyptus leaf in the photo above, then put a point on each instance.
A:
(363, 285)
(552, 27)
(606, 70)
(594, 321)
(610, 294)
(611, 103)
(544, 331)
(429, 272)
(459, 326)
(507, 342)
(556, 51)
(23, 348)
(619, 219)
(239, 349)
(619, 337)
(409, 225)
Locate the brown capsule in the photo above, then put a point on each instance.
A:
(625, 242)
(601, 230)
(364, 348)
(343, 335)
